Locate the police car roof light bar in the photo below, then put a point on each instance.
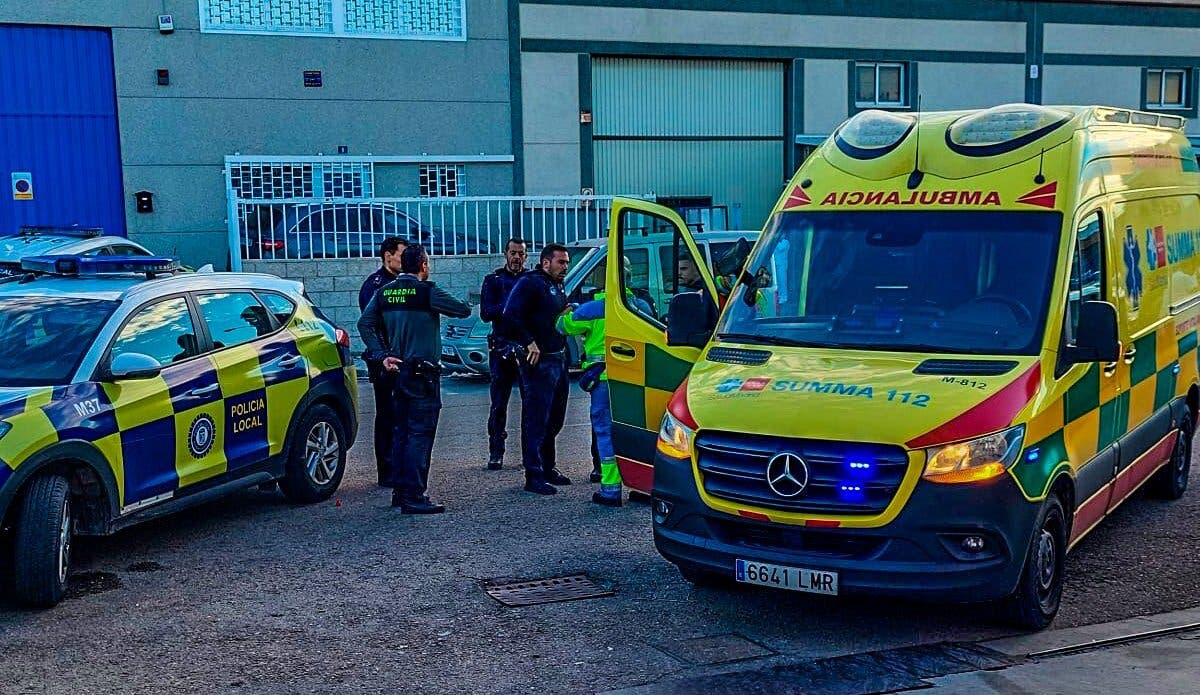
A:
(92, 266)
(50, 230)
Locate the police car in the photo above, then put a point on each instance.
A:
(128, 391)
(40, 241)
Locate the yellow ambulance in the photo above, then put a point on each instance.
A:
(962, 340)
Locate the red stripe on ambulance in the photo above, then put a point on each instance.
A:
(868, 198)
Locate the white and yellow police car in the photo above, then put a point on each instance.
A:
(128, 391)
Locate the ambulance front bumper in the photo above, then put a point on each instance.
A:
(921, 554)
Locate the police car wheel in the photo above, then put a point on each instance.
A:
(42, 543)
(1171, 481)
(1039, 592)
(317, 457)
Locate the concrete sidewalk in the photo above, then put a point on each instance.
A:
(1151, 655)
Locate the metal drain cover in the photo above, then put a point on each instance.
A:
(553, 590)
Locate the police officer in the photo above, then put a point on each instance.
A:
(531, 313)
(502, 351)
(401, 327)
(389, 253)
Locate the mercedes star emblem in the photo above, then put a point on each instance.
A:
(787, 474)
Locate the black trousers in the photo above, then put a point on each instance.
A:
(381, 384)
(504, 375)
(543, 410)
(414, 427)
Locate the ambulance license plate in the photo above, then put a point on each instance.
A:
(794, 578)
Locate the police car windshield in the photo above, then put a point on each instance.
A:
(931, 281)
(43, 339)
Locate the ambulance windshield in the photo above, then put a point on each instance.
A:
(43, 339)
(931, 281)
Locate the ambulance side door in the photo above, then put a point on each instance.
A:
(643, 371)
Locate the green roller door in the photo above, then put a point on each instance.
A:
(690, 128)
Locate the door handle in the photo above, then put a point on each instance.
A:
(622, 350)
(203, 391)
(1130, 355)
(288, 361)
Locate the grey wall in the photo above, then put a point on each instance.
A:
(550, 117)
(233, 93)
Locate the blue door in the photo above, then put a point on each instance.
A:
(58, 124)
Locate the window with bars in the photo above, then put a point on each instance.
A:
(300, 179)
(441, 180)
(398, 19)
(1168, 88)
(880, 84)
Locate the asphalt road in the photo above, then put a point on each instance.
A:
(251, 594)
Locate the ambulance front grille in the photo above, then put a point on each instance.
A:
(842, 477)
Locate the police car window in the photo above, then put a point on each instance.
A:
(163, 330)
(233, 318)
(43, 339)
(280, 306)
(1087, 272)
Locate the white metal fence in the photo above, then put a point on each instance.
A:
(309, 228)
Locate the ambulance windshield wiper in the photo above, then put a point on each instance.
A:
(769, 340)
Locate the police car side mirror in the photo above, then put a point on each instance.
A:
(691, 320)
(1097, 339)
(134, 365)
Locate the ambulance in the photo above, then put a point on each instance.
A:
(962, 340)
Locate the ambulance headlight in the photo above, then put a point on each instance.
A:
(1003, 128)
(974, 460)
(873, 133)
(675, 438)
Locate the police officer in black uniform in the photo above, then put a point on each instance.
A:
(531, 313)
(502, 350)
(381, 383)
(401, 327)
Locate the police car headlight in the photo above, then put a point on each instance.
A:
(974, 460)
(675, 438)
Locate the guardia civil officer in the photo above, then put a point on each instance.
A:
(381, 383)
(531, 313)
(502, 349)
(401, 327)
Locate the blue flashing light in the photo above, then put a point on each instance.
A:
(93, 266)
(860, 465)
(1032, 455)
(851, 493)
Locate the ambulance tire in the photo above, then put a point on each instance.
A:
(1171, 481)
(1039, 592)
(705, 578)
(304, 481)
(42, 542)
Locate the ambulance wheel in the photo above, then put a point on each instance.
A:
(1039, 592)
(316, 460)
(42, 542)
(1171, 481)
(704, 578)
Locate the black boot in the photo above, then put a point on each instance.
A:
(555, 478)
(536, 484)
(495, 464)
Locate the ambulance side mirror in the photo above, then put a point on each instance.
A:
(691, 320)
(1097, 339)
(134, 365)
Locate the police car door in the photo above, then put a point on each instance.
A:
(643, 371)
(240, 327)
(170, 422)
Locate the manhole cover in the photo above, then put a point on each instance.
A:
(552, 590)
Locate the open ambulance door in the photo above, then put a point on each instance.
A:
(643, 370)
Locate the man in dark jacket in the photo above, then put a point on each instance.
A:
(502, 355)
(401, 327)
(389, 253)
(531, 314)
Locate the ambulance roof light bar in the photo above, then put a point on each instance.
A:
(873, 133)
(69, 265)
(1105, 114)
(1003, 128)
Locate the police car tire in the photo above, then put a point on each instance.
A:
(38, 580)
(296, 483)
(1035, 603)
(1171, 481)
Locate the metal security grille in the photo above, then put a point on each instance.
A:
(441, 181)
(394, 19)
(305, 16)
(553, 590)
(272, 180)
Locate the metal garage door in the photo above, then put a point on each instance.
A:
(58, 125)
(690, 128)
